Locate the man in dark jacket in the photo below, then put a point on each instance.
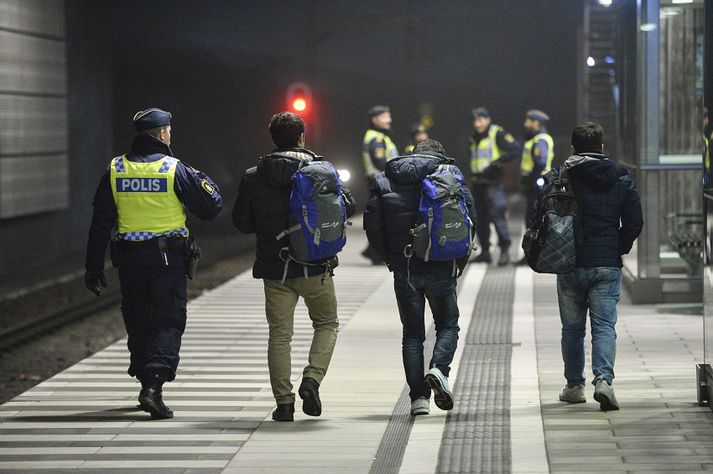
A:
(262, 208)
(391, 213)
(611, 220)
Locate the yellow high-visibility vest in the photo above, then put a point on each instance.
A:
(486, 151)
(391, 150)
(527, 164)
(146, 203)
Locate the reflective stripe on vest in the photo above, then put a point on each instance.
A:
(146, 203)
(486, 151)
(527, 164)
(707, 153)
(391, 151)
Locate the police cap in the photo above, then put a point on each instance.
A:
(151, 118)
(378, 110)
(538, 115)
(481, 112)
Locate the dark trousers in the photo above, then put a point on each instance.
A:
(439, 288)
(153, 305)
(490, 205)
(532, 194)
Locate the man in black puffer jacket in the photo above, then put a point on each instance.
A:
(611, 219)
(391, 213)
(262, 208)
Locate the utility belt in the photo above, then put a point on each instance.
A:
(175, 244)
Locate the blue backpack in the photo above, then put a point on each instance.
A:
(446, 231)
(318, 217)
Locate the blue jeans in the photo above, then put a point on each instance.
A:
(596, 289)
(439, 288)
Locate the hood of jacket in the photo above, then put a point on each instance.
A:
(411, 169)
(594, 169)
(278, 167)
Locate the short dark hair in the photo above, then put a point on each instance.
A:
(429, 145)
(286, 128)
(587, 138)
(154, 132)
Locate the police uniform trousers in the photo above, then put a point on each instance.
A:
(490, 205)
(153, 305)
(532, 194)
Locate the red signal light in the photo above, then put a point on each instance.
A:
(299, 104)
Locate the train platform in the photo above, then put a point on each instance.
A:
(506, 378)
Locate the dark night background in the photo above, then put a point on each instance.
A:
(223, 67)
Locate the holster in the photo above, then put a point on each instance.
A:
(115, 252)
(193, 254)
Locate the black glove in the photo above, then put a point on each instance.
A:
(92, 280)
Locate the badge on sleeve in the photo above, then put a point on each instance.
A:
(509, 138)
(538, 152)
(207, 187)
(380, 152)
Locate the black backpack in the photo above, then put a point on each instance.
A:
(551, 240)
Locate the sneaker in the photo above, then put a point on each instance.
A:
(309, 393)
(504, 258)
(482, 257)
(573, 394)
(420, 406)
(439, 384)
(604, 394)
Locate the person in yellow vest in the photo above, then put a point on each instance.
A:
(490, 148)
(419, 133)
(377, 149)
(537, 155)
(144, 195)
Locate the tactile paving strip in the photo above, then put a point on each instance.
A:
(476, 437)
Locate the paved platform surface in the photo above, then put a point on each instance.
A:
(85, 418)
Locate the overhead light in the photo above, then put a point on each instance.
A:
(605, 3)
(344, 175)
(648, 27)
(591, 62)
(669, 12)
(682, 1)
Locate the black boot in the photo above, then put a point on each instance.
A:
(309, 393)
(504, 258)
(284, 412)
(154, 402)
(143, 395)
(482, 257)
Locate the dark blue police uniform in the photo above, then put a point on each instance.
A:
(152, 272)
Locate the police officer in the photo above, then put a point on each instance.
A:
(537, 155)
(490, 148)
(377, 149)
(419, 133)
(143, 194)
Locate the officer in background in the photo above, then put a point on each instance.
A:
(377, 149)
(490, 148)
(537, 155)
(143, 194)
(419, 133)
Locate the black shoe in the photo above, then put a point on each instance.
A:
(309, 393)
(153, 403)
(504, 258)
(522, 261)
(483, 257)
(284, 412)
(143, 395)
